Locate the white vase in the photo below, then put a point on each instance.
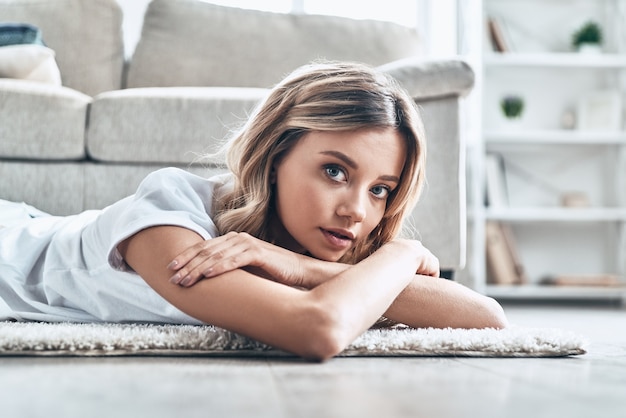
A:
(589, 49)
(511, 124)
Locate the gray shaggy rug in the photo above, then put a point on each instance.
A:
(69, 339)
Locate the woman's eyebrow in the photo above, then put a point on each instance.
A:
(350, 162)
(394, 179)
(343, 157)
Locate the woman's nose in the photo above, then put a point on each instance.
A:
(353, 206)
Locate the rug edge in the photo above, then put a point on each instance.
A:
(282, 354)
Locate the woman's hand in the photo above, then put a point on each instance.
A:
(237, 250)
(234, 250)
(428, 264)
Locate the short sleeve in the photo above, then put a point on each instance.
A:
(168, 196)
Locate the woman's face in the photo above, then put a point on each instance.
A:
(332, 189)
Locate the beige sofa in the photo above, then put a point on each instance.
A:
(196, 72)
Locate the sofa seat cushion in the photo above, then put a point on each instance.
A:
(166, 125)
(194, 43)
(41, 121)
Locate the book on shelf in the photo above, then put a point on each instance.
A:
(498, 35)
(600, 280)
(495, 177)
(504, 266)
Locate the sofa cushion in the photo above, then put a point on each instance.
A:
(193, 43)
(166, 125)
(86, 36)
(41, 121)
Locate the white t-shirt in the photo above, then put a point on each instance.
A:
(68, 268)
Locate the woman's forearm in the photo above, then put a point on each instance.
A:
(426, 301)
(441, 303)
(317, 271)
(359, 295)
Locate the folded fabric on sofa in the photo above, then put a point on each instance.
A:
(24, 55)
(19, 34)
(29, 62)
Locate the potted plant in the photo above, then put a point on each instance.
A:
(588, 39)
(512, 106)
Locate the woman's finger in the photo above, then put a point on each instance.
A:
(215, 259)
(190, 253)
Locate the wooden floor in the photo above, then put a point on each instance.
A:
(592, 385)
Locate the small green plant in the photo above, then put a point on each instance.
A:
(512, 106)
(589, 33)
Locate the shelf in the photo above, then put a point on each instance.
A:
(537, 292)
(551, 214)
(559, 59)
(555, 136)
(534, 163)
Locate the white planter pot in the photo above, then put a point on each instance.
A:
(590, 49)
(511, 124)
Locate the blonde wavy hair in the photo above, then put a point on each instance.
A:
(329, 96)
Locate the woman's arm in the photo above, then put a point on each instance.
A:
(440, 303)
(240, 250)
(315, 324)
(425, 302)
(216, 256)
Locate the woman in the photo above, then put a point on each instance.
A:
(297, 248)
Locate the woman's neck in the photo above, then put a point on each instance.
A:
(281, 237)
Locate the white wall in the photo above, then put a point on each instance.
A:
(133, 20)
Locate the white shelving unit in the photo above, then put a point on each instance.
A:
(543, 161)
(557, 59)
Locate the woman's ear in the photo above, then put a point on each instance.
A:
(273, 175)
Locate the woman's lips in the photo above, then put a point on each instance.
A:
(337, 239)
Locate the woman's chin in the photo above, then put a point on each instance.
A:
(335, 257)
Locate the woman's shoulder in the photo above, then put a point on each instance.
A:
(175, 189)
(172, 175)
(168, 196)
(181, 181)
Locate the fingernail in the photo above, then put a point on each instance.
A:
(175, 278)
(186, 281)
(172, 265)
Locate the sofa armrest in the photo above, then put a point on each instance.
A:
(440, 215)
(426, 80)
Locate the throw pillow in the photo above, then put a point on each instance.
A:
(19, 33)
(29, 62)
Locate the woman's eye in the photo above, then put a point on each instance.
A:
(335, 173)
(380, 192)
